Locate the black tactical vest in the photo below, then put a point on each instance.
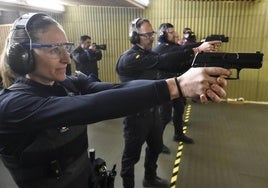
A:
(49, 154)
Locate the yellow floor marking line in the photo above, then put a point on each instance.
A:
(176, 167)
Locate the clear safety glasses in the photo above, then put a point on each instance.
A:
(148, 35)
(54, 50)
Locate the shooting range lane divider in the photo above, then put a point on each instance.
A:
(241, 100)
(176, 167)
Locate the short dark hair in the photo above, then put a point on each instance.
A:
(165, 26)
(186, 30)
(84, 37)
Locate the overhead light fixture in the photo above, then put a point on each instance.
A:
(139, 3)
(32, 5)
(143, 2)
(46, 4)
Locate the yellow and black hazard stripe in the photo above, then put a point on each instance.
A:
(176, 167)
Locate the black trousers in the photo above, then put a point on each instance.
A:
(165, 112)
(140, 128)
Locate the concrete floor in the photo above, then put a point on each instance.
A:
(107, 139)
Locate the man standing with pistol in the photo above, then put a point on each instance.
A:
(140, 62)
(167, 42)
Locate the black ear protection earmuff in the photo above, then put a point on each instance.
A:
(162, 32)
(20, 57)
(133, 34)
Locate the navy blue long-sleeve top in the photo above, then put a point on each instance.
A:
(137, 63)
(33, 107)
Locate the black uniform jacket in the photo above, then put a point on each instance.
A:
(86, 60)
(165, 47)
(137, 63)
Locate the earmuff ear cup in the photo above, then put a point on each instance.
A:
(163, 35)
(134, 37)
(20, 59)
(133, 34)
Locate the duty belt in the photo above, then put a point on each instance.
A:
(52, 170)
(41, 168)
